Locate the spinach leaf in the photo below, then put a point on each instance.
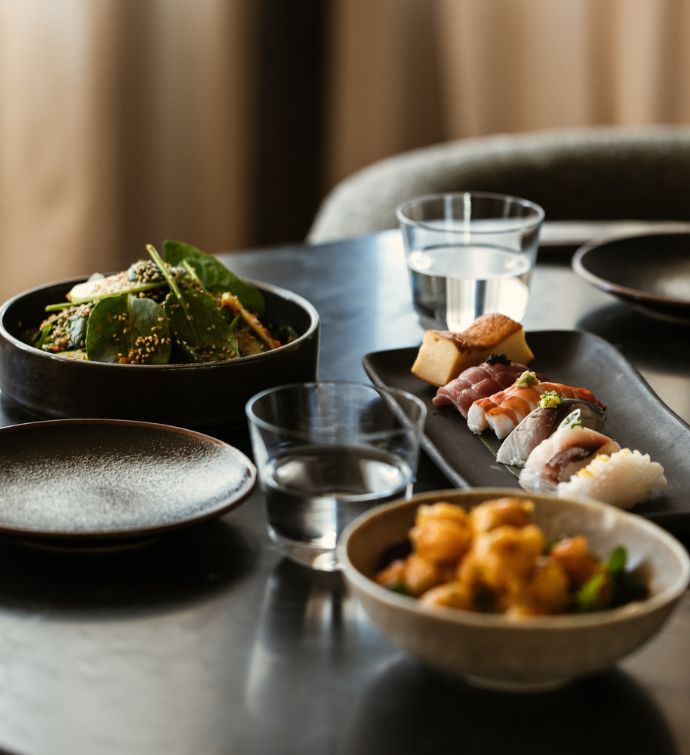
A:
(77, 331)
(199, 328)
(128, 329)
(200, 331)
(64, 330)
(214, 276)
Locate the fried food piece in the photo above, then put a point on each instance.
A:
(441, 540)
(441, 510)
(451, 595)
(413, 575)
(421, 574)
(545, 591)
(573, 554)
(513, 512)
(505, 556)
(393, 576)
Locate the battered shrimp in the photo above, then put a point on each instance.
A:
(573, 554)
(514, 512)
(442, 533)
(441, 510)
(450, 594)
(506, 555)
(544, 591)
(413, 575)
(421, 574)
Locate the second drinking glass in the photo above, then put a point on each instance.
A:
(325, 453)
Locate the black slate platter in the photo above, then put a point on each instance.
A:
(649, 271)
(636, 417)
(86, 480)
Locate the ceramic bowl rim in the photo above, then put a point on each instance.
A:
(608, 617)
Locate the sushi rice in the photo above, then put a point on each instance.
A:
(622, 479)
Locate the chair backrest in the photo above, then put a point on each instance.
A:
(574, 174)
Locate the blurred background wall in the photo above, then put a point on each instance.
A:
(225, 122)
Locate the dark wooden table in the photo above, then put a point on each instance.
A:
(206, 641)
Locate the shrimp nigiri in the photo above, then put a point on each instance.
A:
(503, 411)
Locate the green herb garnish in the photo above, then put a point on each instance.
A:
(550, 400)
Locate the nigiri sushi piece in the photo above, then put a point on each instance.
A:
(479, 381)
(623, 479)
(557, 458)
(503, 411)
(542, 422)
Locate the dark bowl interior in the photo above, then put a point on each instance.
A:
(189, 395)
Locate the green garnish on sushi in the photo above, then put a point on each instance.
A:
(527, 379)
(550, 400)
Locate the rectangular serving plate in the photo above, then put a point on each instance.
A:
(636, 417)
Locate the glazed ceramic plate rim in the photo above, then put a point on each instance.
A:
(234, 498)
(283, 293)
(649, 299)
(442, 443)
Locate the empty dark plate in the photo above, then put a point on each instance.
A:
(636, 417)
(649, 271)
(80, 480)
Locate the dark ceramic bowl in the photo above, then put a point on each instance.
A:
(188, 395)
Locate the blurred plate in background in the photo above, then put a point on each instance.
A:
(650, 271)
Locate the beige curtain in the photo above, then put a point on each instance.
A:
(121, 122)
(127, 121)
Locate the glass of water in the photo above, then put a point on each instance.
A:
(326, 452)
(468, 254)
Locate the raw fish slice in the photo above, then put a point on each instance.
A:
(503, 411)
(477, 382)
(558, 457)
(541, 423)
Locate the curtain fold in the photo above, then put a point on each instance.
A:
(121, 123)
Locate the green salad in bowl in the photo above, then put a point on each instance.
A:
(182, 307)
(175, 338)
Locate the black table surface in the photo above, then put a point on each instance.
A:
(207, 641)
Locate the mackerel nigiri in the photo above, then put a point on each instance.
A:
(542, 422)
(503, 411)
(560, 456)
(478, 381)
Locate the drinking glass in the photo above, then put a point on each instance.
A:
(468, 254)
(325, 453)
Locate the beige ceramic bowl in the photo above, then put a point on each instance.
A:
(518, 654)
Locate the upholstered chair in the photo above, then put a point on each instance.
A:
(632, 174)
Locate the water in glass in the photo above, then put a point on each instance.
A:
(453, 284)
(312, 493)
